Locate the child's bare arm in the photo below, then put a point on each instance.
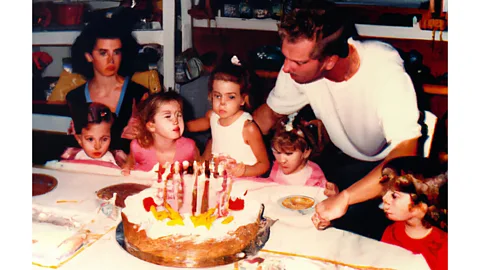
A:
(253, 137)
(200, 124)
(129, 164)
(196, 154)
(207, 153)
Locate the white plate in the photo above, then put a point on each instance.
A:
(271, 197)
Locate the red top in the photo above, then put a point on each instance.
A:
(145, 159)
(433, 247)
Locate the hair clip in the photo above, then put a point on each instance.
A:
(235, 61)
(289, 124)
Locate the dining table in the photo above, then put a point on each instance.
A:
(293, 239)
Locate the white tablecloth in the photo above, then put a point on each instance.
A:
(286, 236)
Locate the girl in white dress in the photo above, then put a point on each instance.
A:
(234, 134)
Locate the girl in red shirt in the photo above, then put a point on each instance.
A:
(415, 199)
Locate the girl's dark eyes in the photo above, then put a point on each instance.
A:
(105, 139)
(90, 139)
(394, 195)
(232, 97)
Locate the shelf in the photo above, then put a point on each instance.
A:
(68, 37)
(364, 30)
(436, 89)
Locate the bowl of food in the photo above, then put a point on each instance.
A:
(299, 203)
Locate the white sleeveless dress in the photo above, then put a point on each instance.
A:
(229, 140)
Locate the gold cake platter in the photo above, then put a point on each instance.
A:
(262, 235)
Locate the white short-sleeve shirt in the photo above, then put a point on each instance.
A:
(366, 116)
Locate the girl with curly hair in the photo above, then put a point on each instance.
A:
(160, 130)
(416, 199)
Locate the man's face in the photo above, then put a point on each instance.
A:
(298, 63)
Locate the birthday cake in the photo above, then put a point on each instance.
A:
(188, 218)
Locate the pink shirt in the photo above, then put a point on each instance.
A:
(145, 159)
(315, 178)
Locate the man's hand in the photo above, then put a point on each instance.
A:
(330, 209)
(319, 223)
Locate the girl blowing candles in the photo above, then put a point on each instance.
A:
(415, 199)
(234, 134)
(160, 132)
(92, 123)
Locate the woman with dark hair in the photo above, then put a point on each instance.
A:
(104, 53)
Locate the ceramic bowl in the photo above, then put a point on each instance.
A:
(298, 203)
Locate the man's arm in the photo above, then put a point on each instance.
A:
(369, 186)
(364, 189)
(265, 118)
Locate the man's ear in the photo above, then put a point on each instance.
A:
(150, 126)
(89, 57)
(78, 138)
(331, 61)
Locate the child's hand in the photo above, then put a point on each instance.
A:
(120, 157)
(126, 171)
(70, 153)
(71, 129)
(236, 169)
(330, 189)
(131, 131)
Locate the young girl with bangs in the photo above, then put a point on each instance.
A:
(159, 138)
(92, 123)
(234, 134)
(292, 147)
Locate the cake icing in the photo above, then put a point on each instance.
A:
(136, 214)
(187, 218)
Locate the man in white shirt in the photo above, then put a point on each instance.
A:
(359, 90)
